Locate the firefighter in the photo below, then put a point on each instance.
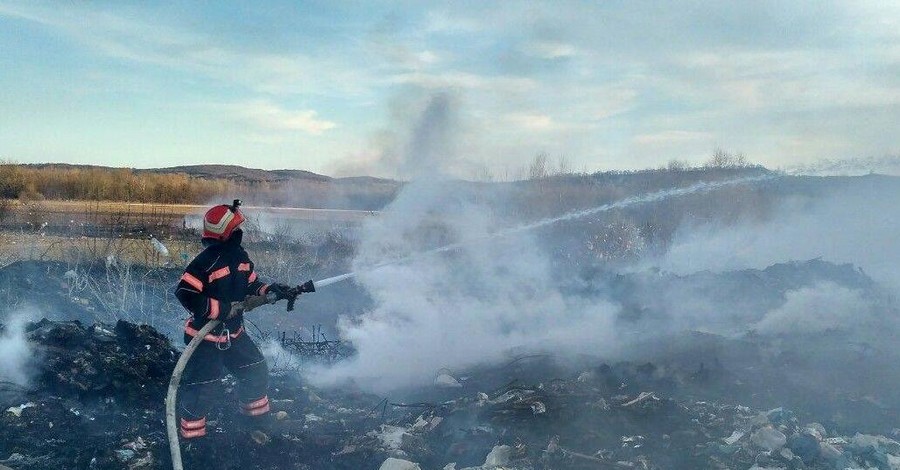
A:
(212, 288)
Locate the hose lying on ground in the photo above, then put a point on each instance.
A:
(249, 304)
(171, 423)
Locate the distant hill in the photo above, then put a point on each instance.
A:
(234, 172)
(227, 172)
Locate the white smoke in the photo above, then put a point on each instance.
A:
(857, 224)
(481, 301)
(887, 165)
(14, 349)
(458, 309)
(468, 306)
(817, 309)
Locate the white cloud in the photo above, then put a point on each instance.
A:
(552, 50)
(445, 22)
(466, 80)
(671, 137)
(267, 116)
(598, 102)
(641, 82)
(532, 122)
(168, 46)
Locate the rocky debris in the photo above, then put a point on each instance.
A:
(778, 441)
(96, 403)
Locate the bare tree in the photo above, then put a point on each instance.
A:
(564, 167)
(724, 159)
(676, 165)
(538, 168)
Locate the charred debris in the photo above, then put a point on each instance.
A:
(94, 402)
(94, 395)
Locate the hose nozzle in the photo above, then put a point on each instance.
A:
(306, 287)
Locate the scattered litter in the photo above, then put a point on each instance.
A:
(17, 410)
(399, 464)
(124, 455)
(498, 457)
(545, 423)
(159, 247)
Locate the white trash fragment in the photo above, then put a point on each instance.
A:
(769, 438)
(399, 464)
(17, 410)
(137, 445)
(817, 430)
(829, 452)
(734, 437)
(124, 455)
(391, 436)
(159, 247)
(447, 381)
(644, 396)
(498, 457)
(427, 425)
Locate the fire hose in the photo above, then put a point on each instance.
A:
(250, 303)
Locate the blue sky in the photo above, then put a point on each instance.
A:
(336, 87)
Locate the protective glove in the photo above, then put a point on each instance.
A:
(235, 309)
(281, 291)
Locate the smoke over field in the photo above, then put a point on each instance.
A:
(14, 349)
(634, 317)
(738, 272)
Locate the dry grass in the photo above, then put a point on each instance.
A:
(174, 211)
(24, 246)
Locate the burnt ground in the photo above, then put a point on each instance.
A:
(95, 401)
(94, 398)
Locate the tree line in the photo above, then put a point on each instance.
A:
(110, 184)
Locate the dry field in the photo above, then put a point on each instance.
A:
(76, 232)
(174, 211)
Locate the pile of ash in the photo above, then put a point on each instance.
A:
(95, 401)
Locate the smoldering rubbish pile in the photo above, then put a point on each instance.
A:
(95, 393)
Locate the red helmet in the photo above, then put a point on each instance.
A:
(221, 221)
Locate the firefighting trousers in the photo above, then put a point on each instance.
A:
(202, 382)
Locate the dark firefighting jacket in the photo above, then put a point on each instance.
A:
(221, 274)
